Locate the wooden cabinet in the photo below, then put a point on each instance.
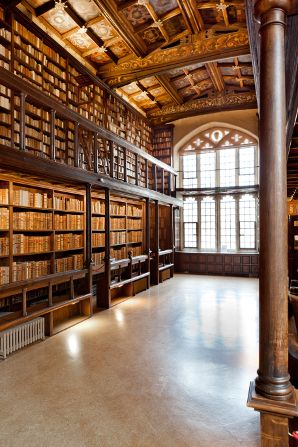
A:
(241, 264)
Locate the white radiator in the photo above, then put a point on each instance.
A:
(17, 337)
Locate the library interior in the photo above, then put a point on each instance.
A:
(149, 223)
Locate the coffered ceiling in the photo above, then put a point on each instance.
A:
(170, 58)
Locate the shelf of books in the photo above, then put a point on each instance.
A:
(98, 210)
(42, 246)
(163, 143)
(42, 230)
(128, 267)
(48, 67)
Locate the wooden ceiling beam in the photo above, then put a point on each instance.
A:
(213, 5)
(194, 15)
(169, 88)
(184, 15)
(216, 103)
(127, 4)
(170, 15)
(216, 76)
(200, 50)
(110, 12)
(40, 10)
(9, 4)
(81, 23)
(148, 94)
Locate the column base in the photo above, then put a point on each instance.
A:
(274, 388)
(287, 408)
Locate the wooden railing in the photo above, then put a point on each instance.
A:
(65, 136)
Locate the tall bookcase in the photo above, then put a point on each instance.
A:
(35, 57)
(126, 253)
(43, 250)
(161, 242)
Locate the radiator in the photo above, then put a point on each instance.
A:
(19, 336)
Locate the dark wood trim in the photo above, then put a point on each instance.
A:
(25, 162)
(15, 83)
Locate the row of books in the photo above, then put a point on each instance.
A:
(3, 196)
(98, 206)
(118, 237)
(98, 258)
(118, 209)
(32, 51)
(22, 271)
(32, 221)
(98, 239)
(32, 76)
(68, 241)
(136, 251)
(4, 103)
(4, 218)
(68, 222)
(134, 236)
(134, 211)
(30, 244)
(117, 223)
(134, 224)
(4, 275)
(98, 223)
(66, 203)
(31, 198)
(4, 246)
(74, 262)
(118, 253)
(5, 34)
(4, 53)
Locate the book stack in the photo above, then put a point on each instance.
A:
(4, 275)
(98, 239)
(98, 223)
(4, 218)
(69, 222)
(32, 221)
(30, 244)
(30, 270)
(68, 241)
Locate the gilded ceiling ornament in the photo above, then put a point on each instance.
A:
(143, 2)
(222, 7)
(187, 52)
(59, 15)
(201, 105)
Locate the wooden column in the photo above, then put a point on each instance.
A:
(22, 121)
(148, 251)
(89, 262)
(272, 393)
(95, 151)
(76, 145)
(273, 378)
(52, 136)
(103, 286)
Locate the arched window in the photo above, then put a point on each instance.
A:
(219, 181)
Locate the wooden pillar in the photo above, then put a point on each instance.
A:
(272, 393)
(103, 286)
(111, 156)
(148, 251)
(95, 152)
(146, 174)
(22, 121)
(89, 262)
(52, 135)
(273, 378)
(76, 145)
(125, 164)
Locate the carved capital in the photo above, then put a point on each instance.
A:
(264, 6)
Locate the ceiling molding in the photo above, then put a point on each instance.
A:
(202, 49)
(169, 88)
(109, 11)
(220, 102)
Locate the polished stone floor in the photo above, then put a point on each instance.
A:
(168, 368)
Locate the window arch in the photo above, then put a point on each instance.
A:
(219, 182)
(219, 157)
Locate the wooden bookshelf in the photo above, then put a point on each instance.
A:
(48, 67)
(42, 251)
(42, 229)
(126, 260)
(98, 218)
